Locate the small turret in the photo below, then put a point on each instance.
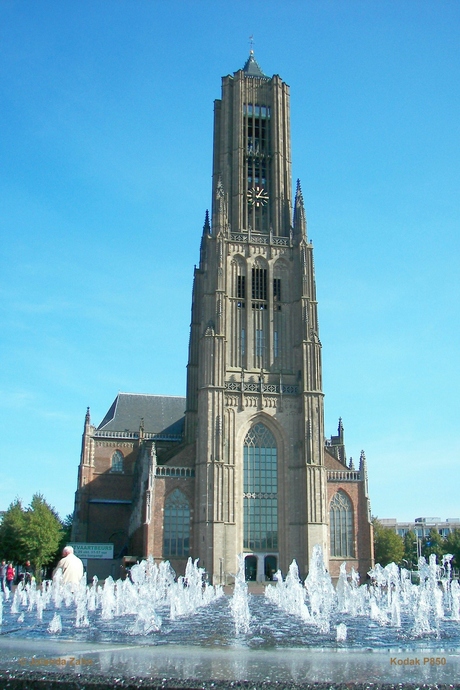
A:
(336, 444)
(340, 429)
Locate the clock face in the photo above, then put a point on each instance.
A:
(257, 196)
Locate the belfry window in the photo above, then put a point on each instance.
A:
(241, 290)
(259, 284)
(237, 311)
(241, 287)
(176, 530)
(117, 461)
(256, 128)
(341, 526)
(260, 322)
(260, 490)
(256, 110)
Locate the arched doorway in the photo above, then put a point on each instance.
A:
(270, 567)
(250, 568)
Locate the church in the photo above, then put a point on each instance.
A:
(241, 465)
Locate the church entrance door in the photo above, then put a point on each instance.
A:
(250, 568)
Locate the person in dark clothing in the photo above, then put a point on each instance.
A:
(3, 575)
(27, 573)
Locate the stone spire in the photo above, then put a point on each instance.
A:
(300, 220)
(206, 234)
(207, 224)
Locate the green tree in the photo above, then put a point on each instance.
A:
(388, 546)
(67, 527)
(66, 534)
(42, 533)
(410, 558)
(433, 543)
(11, 533)
(452, 545)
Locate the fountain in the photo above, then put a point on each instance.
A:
(156, 625)
(239, 603)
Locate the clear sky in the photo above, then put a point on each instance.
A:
(106, 112)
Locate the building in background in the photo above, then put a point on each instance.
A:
(422, 526)
(241, 465)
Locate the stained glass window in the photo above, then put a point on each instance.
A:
(176, 531)
(117, 461)
(341, 526)
(260, 487)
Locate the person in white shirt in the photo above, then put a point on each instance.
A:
(71, 566)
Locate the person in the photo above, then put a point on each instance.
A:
(3, 575)
(10, 575)
(71, 566)
(27, 573)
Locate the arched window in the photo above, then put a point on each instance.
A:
(341, 526)
(260, 320)
(281, 353)
(176, 530)
(117, 461)
(260, 487)
(238, 312)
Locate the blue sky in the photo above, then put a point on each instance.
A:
(106, 113)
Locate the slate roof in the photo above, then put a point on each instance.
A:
(161, 413)
(251, 67)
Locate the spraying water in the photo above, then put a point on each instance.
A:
(153, 597)
(239, 603)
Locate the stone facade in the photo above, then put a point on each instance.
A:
(247, 469)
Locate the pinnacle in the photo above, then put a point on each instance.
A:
(207, 225)
(252, 68)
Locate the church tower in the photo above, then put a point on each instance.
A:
(248, 469)
(254, 393)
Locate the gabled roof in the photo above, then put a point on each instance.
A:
(251, 67)
(161, 413)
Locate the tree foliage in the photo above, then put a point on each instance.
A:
(66, 535)
(42, 532)
(11, 529)
(452, 545)
(410, 559)
(30, 534)
(433, 543)
(388, 546)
